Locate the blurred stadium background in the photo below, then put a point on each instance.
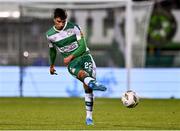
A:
(24, 68)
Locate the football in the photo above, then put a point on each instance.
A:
(130, 99)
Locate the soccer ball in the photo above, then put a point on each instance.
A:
(130, 99)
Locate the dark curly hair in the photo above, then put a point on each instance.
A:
(58, 12)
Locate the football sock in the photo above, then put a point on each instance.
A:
(87, 80)
(89, 104)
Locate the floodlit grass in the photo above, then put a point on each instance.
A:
(69, 113)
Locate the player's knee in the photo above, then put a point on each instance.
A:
(82, 74)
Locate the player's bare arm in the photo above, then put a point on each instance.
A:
(68, 59)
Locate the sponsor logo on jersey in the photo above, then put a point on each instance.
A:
(69, 48)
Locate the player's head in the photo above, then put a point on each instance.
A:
(60, 17)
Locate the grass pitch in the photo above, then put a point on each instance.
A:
(69, 114)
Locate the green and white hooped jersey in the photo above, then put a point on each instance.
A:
(65, 40)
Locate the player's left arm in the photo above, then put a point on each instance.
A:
(81, 41)
(80, 50)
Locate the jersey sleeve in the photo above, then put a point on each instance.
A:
(52, 52)
(50, 45)
(78, 33)
(81, 41)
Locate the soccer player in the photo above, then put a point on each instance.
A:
(68, 39)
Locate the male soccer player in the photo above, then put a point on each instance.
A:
(68, 39)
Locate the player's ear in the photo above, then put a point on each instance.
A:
(54, 20)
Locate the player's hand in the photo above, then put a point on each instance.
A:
(52, 70)
(68, 59)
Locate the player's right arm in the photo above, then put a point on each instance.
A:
(52, 57)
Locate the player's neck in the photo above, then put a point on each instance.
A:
(58, 30)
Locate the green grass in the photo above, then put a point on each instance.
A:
(69, 113)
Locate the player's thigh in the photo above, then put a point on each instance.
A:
(75, 66)
(85, 63)
(89, 65)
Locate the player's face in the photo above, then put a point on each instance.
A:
(59, 24)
